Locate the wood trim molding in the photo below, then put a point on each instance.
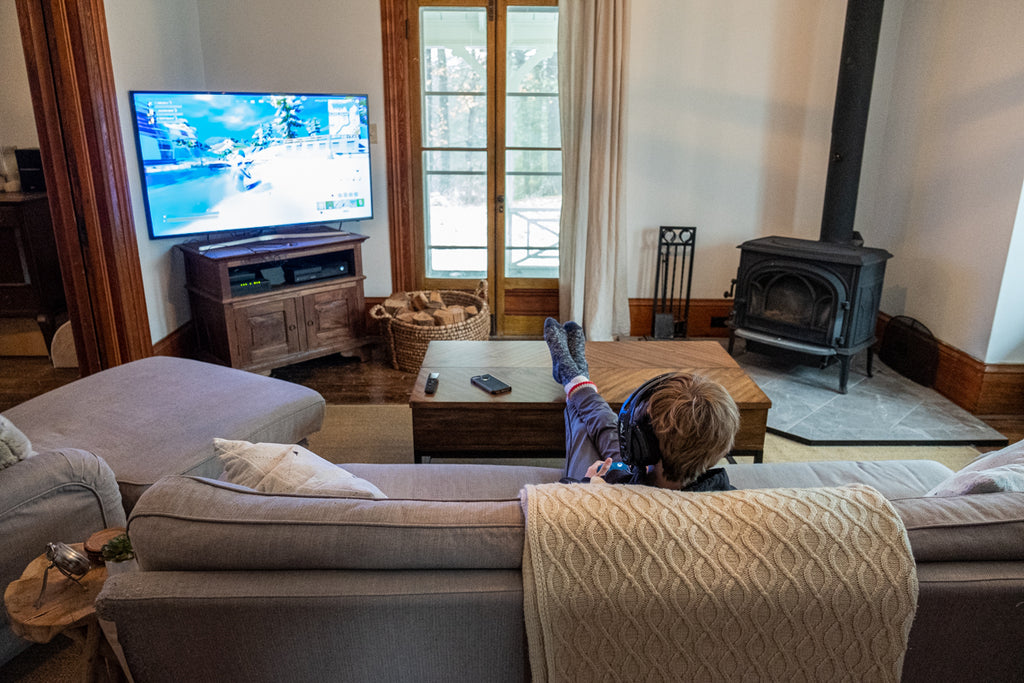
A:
(398, 135)
(977, 387)
(72, 86)
(180, 343)
(701, 313)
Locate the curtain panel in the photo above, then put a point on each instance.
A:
(593, 44)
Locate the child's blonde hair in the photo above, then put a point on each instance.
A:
(695, 421)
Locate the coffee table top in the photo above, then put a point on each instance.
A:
(617, 368)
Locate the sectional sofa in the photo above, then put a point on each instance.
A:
(427, 584)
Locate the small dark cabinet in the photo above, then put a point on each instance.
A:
(264, 305)
(30, 281)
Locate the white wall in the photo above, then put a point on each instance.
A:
(943, 186)
(1007, 343)
(730, 111)
(154, 44)
(17, 123)
(324, 46)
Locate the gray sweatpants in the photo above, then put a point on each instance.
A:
(591, 431)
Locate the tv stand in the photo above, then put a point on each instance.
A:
(261, 308)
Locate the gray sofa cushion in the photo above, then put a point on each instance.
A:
(986, 528)
(159, 415)
(453, 482)
(190, 523)
(893, 478)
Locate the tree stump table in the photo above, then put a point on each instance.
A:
(66, 607)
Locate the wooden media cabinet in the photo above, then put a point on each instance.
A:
(258, 305)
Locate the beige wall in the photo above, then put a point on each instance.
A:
(942, 188)
(730, 110)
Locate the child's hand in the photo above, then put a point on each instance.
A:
(597, 469)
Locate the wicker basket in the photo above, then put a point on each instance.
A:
(407, 343)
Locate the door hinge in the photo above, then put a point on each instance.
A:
(490, 10)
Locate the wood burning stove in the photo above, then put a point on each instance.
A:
(820, 298)
(815, 298)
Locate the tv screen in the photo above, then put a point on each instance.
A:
(216, 162)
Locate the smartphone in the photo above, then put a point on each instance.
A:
(490, 384)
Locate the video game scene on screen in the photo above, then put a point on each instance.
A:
(228, 161)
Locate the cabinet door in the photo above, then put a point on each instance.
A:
(332, 316)
(266, 331)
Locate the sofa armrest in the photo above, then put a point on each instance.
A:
(59, 495)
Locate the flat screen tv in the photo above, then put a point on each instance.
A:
(219, 162)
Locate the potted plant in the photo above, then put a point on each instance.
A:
(118, 555)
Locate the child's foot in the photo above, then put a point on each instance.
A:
(563, 369)
(577, 343)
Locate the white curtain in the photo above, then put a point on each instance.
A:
(593, 37)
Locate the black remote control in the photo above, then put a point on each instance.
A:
(431, 385)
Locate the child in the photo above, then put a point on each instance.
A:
(668, 433)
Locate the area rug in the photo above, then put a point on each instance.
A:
(383, 433)
(886, 409)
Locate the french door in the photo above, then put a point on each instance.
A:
(487, 152)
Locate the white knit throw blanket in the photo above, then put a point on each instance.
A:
(630, 583)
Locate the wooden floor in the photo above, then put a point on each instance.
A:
(339, 380)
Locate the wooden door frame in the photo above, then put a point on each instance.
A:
(399, 129)
(67, 56)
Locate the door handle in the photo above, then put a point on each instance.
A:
(500, 199)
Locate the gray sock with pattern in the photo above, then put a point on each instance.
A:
(563, 369)
(577, 343)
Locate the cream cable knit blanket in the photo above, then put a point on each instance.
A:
(631, 583)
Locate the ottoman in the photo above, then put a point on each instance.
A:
(159, 416)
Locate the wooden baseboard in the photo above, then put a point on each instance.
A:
(703, 312)
(180, 343)
(977, 387)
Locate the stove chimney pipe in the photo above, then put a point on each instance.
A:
(850, 119)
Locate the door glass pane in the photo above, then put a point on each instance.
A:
(454, 105)
(533, 159)
(455, 187)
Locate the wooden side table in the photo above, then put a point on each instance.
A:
(66, 608)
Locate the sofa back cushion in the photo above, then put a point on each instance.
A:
(439, 481)
(191, 523)
(976, 528)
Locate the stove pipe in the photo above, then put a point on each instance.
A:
(850, 119)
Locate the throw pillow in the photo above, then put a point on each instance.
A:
(988, 473)
(14, 445)
(1005, 478)
(1011, 455)
(280, 468)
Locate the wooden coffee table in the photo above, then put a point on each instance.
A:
(460, 420)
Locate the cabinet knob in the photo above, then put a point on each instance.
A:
(309, 323)
(291, 328)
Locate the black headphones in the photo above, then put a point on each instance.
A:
(638, 444)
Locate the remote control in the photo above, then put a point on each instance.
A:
(431, 385)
